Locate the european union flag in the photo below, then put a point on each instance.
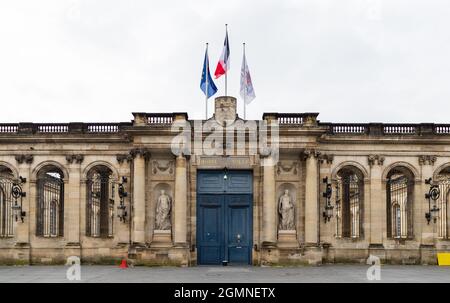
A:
(206, 84)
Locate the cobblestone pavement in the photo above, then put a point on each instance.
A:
(325, 273)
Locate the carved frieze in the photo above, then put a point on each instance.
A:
(24, 159)
(75, 159)
(375, 160)
(163, 167)
(427, 160)
(287, 168)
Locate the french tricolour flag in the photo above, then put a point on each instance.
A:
(224, 64)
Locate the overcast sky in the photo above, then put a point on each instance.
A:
(100, 60)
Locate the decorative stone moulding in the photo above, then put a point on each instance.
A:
(75, 158)
(326, 158)
(427, 160)
(375, 159)
(124, 157)
(24, 159)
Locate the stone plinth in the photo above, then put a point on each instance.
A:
(162, 238)
(287, 238)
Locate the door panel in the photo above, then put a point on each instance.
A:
(239, 234)
(224, 217)
(210, 232)
(210, 182)
(239, 183)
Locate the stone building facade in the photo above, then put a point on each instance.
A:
(108, 191)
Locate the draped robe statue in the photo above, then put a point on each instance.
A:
(163, 209)
(286, 211)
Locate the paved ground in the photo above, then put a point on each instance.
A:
(325, 273)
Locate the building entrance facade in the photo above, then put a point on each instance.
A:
(224, 217)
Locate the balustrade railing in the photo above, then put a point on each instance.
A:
(9, 127)
(161, 119)
(345, 128)
(442, 129)
(103, 127)
(52, 128)
(400, 129)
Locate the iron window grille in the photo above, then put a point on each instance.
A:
(50, 204)
(7, 220)
(100, 203)
(399, 191)
(443, 181)
(349, 208)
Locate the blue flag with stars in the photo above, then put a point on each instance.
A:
(206, 83)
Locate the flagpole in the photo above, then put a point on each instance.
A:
(245, 93)
(206, 76)
(226, 72)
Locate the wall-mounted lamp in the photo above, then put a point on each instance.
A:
(122, 209)
(328, 212)
(432, 195)
(16, 192)
(225, 173)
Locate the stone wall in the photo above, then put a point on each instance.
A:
(309, 152)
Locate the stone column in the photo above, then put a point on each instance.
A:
(72, 206)
(23, 229)
(326, 229)
(139, 196)
(427, 232)
(180, 202)
(311, 198)
(377, 202)
(269, 204)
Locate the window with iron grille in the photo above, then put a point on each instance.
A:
(399, 197)
(6, 203)
(50, 203)
(349, 203)
(443, 181)
(100, 203)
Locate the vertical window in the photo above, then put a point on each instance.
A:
(399, 197)
(100, 202)
(50, 203)
(349, 202)
(6, 203)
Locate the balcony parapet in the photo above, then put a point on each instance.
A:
(62, 128)
(387, 129)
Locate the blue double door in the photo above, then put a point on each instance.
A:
(224, 217)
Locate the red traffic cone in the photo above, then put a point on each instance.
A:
(124, 264)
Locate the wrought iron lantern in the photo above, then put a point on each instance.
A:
(225, 173)
(16, 192)
(433, 194)
(122, 209)
(328, 212)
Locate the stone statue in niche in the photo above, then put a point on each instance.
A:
(163, 209)
(286, 211)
